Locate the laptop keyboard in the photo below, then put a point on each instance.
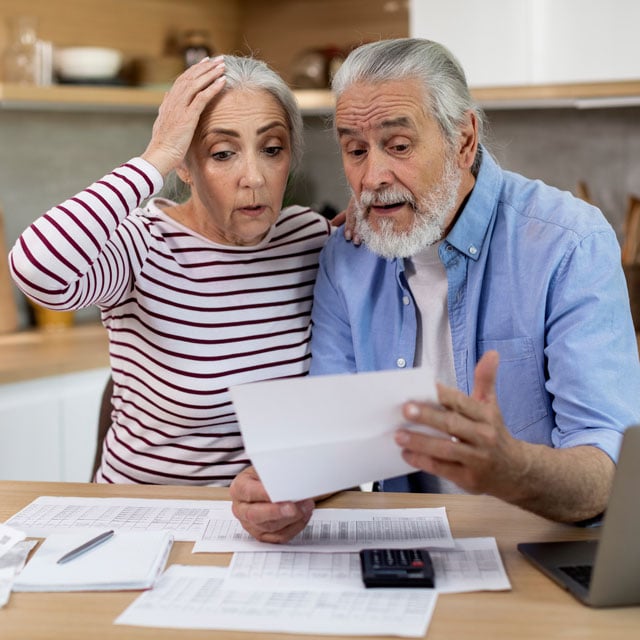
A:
(580, 573)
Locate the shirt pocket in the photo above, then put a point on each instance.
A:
(519, 385)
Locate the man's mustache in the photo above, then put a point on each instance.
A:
(384, 197)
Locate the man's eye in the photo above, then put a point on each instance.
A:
(273, 151)
(222, 155)
(356, 153)
(400, 148)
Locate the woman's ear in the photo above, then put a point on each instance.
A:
(183, 173)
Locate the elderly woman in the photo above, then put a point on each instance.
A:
(195, 296)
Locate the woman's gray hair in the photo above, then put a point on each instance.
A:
(249, 73)
(433, 64)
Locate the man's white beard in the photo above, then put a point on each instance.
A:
(431, 214)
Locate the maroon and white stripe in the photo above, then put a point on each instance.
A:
(186, 318)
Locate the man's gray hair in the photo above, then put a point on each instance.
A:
(431, 63)
(249, 73)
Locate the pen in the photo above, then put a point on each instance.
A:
(83, 548)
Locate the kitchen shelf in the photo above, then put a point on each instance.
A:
(78, 98)
(586, 95)
(319, 102)
(30, 354)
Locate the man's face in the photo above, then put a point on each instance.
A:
(403, 174)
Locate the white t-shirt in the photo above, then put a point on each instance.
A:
(427, 280)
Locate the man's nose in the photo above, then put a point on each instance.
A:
(377, 173)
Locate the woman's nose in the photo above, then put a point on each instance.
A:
(252, 175)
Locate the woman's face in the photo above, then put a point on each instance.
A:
(237, 166)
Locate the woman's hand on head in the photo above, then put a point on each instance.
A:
(180, 112)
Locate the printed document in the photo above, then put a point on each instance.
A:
(185, 519)
(473, 565)
(314, 435)
(331, 530)
(196, 597)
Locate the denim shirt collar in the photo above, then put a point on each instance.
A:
(470, 230)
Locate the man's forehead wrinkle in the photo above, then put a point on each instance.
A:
(393, 111)
(354, 121)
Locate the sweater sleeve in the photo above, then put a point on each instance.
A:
(80, 253)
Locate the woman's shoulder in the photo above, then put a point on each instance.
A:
(296, 218)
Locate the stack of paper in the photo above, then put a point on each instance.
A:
(128, 560)
(13, 554)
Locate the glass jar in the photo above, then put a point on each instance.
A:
(195, 47)
(21, 54)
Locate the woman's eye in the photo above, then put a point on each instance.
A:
(221, 155)
(273, 151)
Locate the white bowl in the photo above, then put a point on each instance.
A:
(87, 63)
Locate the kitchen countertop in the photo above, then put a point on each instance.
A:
(26, 355)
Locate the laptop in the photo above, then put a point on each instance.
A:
(604, 572)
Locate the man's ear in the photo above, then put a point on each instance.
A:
(468, 141)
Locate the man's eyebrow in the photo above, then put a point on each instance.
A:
(400, 121)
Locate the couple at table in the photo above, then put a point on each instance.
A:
(511, 290)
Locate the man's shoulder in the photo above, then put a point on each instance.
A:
(339, 252)
(537, 202)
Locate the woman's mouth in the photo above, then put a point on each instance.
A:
(253, 210)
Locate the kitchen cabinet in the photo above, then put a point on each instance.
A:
(535, 42)
(51, 384)
(48, 426)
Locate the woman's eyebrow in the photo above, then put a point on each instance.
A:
(271, 125)
(235, 134)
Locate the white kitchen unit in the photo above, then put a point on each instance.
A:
(48, 426)
(523, 42)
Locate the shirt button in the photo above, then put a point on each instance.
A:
(405, 300)
(473, 250)
(401, 362)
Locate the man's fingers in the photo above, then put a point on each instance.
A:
(455, 419)
(484, 379)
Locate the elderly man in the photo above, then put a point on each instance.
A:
(510, 290)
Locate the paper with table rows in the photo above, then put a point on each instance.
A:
(196, 597)
(214, 528)
(331, 530)
(301, 592)
(185, 519)
(473, 564)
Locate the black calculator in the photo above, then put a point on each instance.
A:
(397, 568)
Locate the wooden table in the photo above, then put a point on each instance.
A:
(535, 608)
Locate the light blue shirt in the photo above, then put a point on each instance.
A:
(533, 273)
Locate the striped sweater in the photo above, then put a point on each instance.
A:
(186, 318)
